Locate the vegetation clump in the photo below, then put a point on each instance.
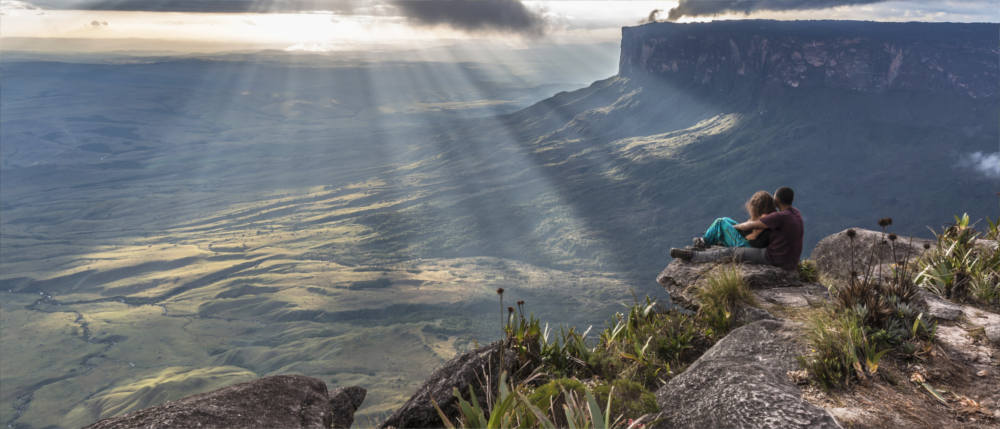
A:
(961, 266)
(722, 294)
(570, 380)
(808, 272)
(871, 314)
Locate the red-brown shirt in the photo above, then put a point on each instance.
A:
(786, 229)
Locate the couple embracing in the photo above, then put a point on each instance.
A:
(772, 236)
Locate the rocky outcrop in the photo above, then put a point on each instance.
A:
(742, 382)
(282, 401)
(682, 279)
(834, 253)
(868, 57)
(472, 369)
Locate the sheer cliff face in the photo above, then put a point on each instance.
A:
(960, 59)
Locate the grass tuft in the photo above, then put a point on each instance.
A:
(723, 292)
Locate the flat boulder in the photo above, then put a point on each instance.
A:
(470, 369)
(682, 279)
(834, 253)
(281, 401)
(940, 308)
(742, 381)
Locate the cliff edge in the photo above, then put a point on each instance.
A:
(869, 57)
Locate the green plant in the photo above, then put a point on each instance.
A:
(630, 400)
(576, 407)
(871, 314)
(723, 292)
(808, 272)
(645, 345)
(840, 350)
(958, 267)
(552, 396)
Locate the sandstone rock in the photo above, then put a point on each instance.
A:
(795, 297)
(461, 372)
(940, 308)
(960, 344)
(742, 382)
(681, 279)
(993, 334)
(282, 401)
(343, 403)
(833, 254)
(745, 314)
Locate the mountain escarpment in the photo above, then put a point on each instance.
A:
(957, 59)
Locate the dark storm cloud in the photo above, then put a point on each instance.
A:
(502, 15)
(653, 15)
(715, 7)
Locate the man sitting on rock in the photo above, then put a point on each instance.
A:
(784, 250)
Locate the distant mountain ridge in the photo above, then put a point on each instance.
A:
(859, 56)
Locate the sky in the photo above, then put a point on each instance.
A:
(350, 25)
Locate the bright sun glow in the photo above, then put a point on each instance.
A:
(316, 31)
(568, 21)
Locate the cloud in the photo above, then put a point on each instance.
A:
(200, 5)
(652, 16)
(985, 163)
(716, 7)
(469, 15)
(497, 15)
(16, 5)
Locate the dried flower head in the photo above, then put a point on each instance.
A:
(500, 291)
(884, 222)
(854, 274)
(851, 233)
(892, 237)
(510, 309)
(521, 302)
(927, 246)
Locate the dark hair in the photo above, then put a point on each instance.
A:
(760, 204)
(784, 195)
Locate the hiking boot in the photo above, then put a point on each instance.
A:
(683, 254)
(698, 243)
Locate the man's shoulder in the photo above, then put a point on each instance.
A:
(796, 213)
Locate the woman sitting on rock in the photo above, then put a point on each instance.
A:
(722, 232)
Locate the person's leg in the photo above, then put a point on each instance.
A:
(722, 233)
(713, 235)
(747, 255)
(713, 255)
(752, 255)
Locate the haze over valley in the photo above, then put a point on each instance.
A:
(174, 224)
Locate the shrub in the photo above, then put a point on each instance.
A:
(646, 344)
(960, 269)
(629, 400)
(513, 408)
(552, 395)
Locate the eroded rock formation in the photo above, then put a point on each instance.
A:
(742, 382)
(471, 369)
(281, 401)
